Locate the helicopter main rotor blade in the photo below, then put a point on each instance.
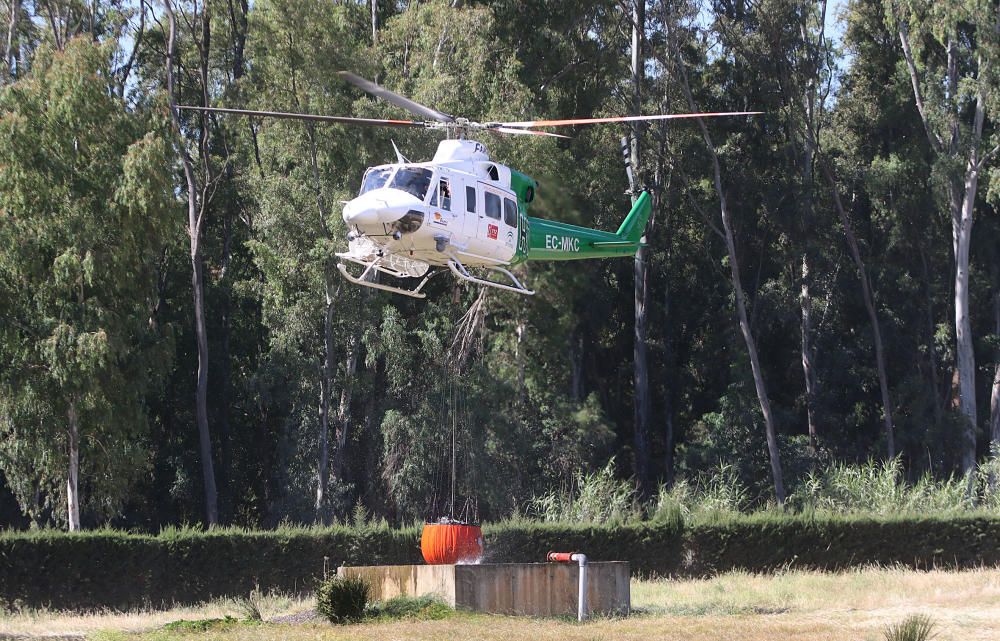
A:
(395, 98)
(593, 121)
(511, 130)
(378, 122)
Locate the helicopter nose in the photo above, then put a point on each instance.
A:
(368, 210)
(361, 215)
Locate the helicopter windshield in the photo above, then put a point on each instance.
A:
(413, 180)
(375, 179)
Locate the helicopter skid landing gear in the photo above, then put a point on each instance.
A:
(459, 270)
(374, 265)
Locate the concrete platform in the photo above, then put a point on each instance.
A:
(533, 589)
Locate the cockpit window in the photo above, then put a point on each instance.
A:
(376, 178)
(413, 180)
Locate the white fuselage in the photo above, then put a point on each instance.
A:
(458, 205)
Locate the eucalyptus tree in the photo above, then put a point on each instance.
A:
(200, 179)
(311, 318)
(84, 215)
(680, 48)
(951, 51)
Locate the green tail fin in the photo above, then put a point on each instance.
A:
(635, 223)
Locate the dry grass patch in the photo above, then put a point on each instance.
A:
(53, 623)
(848, 606)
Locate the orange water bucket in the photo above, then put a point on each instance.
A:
(450, 543)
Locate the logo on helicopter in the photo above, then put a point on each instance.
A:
(492, 231)
(562, 243)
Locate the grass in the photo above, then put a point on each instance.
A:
(43, 622)
(863, 604)
(872, 488)
(423, 608)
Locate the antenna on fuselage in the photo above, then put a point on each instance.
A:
(400, 158)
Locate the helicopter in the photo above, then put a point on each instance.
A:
(461, 211)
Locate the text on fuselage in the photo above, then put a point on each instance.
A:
(562, 243)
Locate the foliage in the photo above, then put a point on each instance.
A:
(201, 625)
(82, 232)
(916, 627)
(716, 495)
(880, 488)
(422, 608)
(343, 599)
(540, 391)
(250, 606)
(596, 498)
(125, 570)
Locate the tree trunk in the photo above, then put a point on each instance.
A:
(225, 369)
(575, 365)
(374, 7)
(995, 396)
(329, 347)
(201, 393)
(641, 402)
(325, 387)
(238, 23)
(197, 207)
(668, 401)
(805, 330)
(73, 478)
(741, 310)
(811, 108)
(758, 374)
(866, 292)
(932, 363)
(966, 360)
(520, 330)
(238, 34)
(961, 196)
(344, 411)
(15, 14)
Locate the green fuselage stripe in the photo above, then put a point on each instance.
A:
(552, 240)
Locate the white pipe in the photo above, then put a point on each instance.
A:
(581, 610)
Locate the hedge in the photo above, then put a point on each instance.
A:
(110, 569)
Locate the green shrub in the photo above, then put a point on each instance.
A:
(424, 608)
(251, 606)
(201, 625)
(593, 498)
(916, 627)
(343, 599)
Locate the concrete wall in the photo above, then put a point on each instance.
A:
(535, 589)
(390, 581)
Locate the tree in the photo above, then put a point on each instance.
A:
(950, 50)
(10, 57)
(83, 218)
(640, 438)
(200, 189)
(313, 321)
(675, 48)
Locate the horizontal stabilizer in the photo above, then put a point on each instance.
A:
(612, 243)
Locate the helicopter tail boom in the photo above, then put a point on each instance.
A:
(553, 240)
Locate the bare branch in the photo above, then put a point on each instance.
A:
(126, 69)
(987, 157)
(936, 143)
